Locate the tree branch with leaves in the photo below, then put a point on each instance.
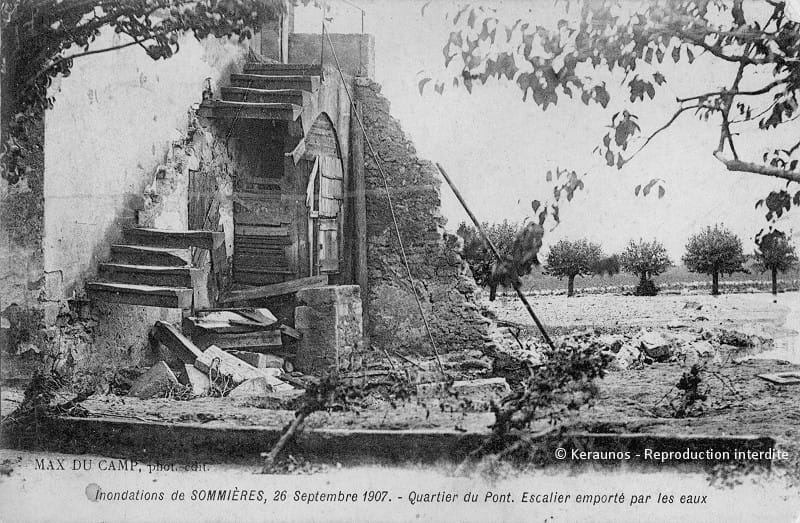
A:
(42, 38)
(573, 57)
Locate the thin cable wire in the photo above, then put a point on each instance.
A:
(389, 200)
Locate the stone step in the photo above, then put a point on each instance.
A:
(141, 236)
(265, 341)
(249, 111)
(271, 81)
(157, 256)
(243, 94)
(283, 69)
(147, 295)
(149, 275)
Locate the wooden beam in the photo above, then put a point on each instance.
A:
(177, 343)
(276, 289)
(359, 216)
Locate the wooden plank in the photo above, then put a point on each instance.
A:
(261, 230)
(359, 213)
(278, 289)
(270, 241)
(169, 336)
(253, 212)
(256, 341)
(292, 333)
(264, 278)
(329, 207)
(330, 188)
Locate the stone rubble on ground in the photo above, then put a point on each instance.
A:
(155, 382)
(689, 345)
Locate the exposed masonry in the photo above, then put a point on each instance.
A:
(443, 280)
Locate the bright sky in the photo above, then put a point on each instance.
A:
(498, 148)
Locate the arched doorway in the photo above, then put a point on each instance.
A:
(288, 217)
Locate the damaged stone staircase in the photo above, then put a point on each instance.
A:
(266, 91)
(161, 268)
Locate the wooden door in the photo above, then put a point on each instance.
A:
(264, 212)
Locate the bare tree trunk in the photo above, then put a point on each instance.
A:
(571, 286)
(715, 283)
(775, 280)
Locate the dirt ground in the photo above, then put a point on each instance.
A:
(610, 311)
(634, 400)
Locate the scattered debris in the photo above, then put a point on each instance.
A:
(259, 387)
(481, 390)
(155, 382)
(626, 357)
(782, 378)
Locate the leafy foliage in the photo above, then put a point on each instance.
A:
(42, 38)
(564, 382)
(573, 258)
(775, 252)
(714, 251)
(517, 246)
(632, 42)
(607, 266)
(646, 260)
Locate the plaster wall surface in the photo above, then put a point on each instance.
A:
(355, 52)
(114, 122)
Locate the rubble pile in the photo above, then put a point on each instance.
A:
(224, 353)
(685, 345)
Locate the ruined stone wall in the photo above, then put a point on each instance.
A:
(444, 284)
(21, 225)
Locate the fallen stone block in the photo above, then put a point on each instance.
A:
(655, 345)
(259, 360)
(194, 378)
(702, 348)
(627, 356)
(155, 382)
(216, 362)
(169, 336)
(482, 390)
(283, 400)
(259, 386)
(475, 364)
(782, 378)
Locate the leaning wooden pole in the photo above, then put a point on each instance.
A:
(489, 242)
